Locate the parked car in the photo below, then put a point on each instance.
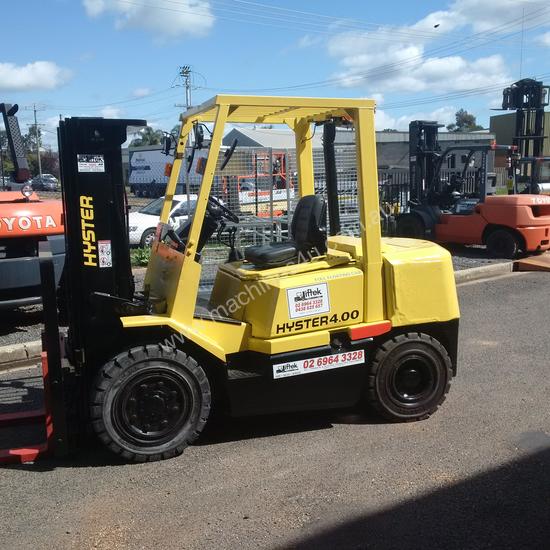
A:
(142, 224)
(47, 182)
(10, 185)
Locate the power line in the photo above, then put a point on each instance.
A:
(482, 90)
(487, 36)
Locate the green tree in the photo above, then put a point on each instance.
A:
(465, 122)
(31, 138)
(50, 162)
(147, 136)
(5, 161)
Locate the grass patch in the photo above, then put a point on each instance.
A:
(140, 256)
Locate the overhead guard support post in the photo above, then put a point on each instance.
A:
(304, 156)
(179, 155)
(331, 177)
(188, 285)
(367, 190)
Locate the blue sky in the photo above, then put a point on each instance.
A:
(121, 57)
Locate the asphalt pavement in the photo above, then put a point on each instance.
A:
(475, 475)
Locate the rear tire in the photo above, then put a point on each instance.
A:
(150, 403)
(409, 377)
(410, 225)
(502, 243)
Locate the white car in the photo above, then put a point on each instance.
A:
(142, 224)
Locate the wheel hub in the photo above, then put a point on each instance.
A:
(152, 406)
(413, 381)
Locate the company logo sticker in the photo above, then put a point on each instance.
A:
(90, 163)
(318, 364)
(304, 301)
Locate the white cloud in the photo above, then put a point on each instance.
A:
(309, 40)
(483, 15)
(402, 67)
(378, 97)
(443, 115)
(39, 75)
(141, 92)
(544, 39)
(164, 18)
(111, 112)
(414, 58)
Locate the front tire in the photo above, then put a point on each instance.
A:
(150, 403)
(409, 377)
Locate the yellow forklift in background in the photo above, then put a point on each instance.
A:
(311, 323)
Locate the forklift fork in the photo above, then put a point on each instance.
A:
(52, 414)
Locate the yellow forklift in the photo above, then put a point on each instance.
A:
(318, 321)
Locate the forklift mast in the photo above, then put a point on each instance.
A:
(528, 97)
(424, 150)
(97, 268)
(15, 142)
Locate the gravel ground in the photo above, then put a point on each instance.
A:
(24, 324)
(20, 325)
(476, 475)
(466, 257)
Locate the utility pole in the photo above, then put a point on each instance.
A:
(35, 108)
(37, 134)
(185, 73)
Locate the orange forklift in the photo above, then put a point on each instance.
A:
(443, 210)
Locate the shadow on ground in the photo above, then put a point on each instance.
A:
(19, 320)
(89, 453)
(505, 508)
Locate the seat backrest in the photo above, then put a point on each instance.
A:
(308, 228)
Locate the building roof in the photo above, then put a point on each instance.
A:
(278, 138)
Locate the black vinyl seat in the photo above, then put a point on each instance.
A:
(308, 237)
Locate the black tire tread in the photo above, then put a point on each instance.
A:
(386, 348)
(133, 355)
(512, 235)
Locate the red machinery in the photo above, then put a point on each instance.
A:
(446, 211)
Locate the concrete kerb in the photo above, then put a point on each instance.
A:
(20, 355)
(483, 272)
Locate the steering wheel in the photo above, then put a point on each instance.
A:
(225, 212)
